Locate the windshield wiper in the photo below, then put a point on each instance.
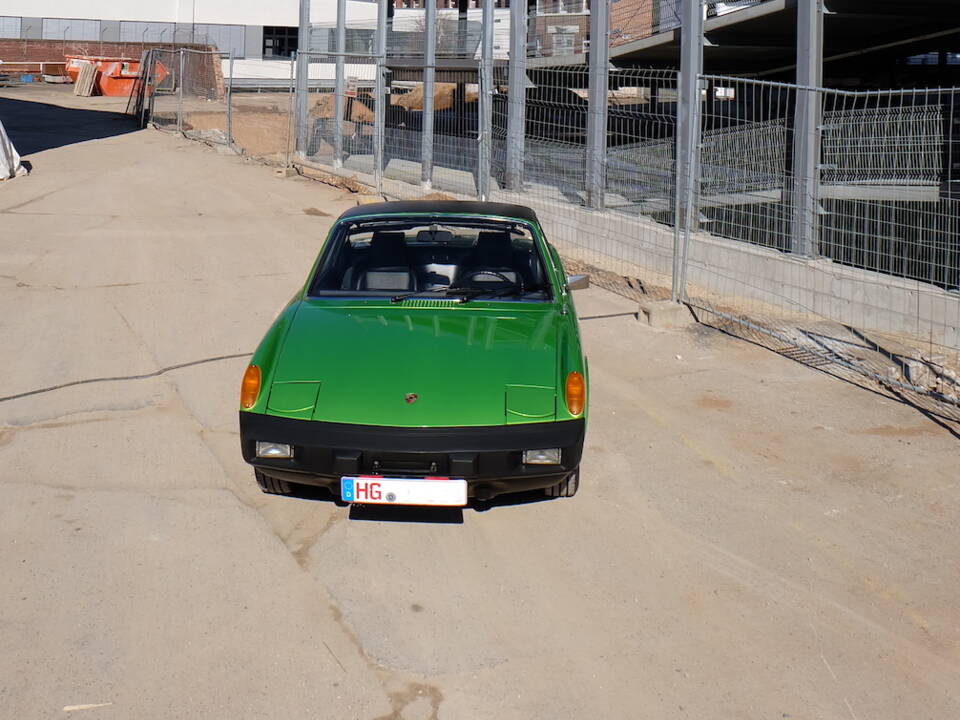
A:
(416, 293)
(472, 293)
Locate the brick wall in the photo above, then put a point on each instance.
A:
(13, 51)
(630, 20)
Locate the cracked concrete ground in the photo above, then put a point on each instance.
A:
(753, 539)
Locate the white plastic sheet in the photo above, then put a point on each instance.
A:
(10, 165)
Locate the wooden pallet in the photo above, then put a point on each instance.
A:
(86, 84)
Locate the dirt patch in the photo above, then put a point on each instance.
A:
(316, 212)
(260, 134)
(347, 183)
(711, 402)
(899, 432)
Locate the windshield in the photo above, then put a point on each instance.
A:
(409, 257)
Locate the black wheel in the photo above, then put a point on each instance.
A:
(271, 485)
(567, 487)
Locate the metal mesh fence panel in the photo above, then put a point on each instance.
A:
(261, 112)
(631, 240)
(890, 190)
(879, 292)
(203, 96)
(163, 89)
(450, 163)
(187, 93)
(340, 125)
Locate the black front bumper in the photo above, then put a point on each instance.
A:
(489, 458)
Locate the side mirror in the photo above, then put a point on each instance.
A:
(578, 282)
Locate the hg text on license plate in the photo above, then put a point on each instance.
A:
(377, 490)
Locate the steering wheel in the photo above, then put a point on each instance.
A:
(498, 275)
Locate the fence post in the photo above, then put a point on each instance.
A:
(485, 126)
(180, 95)
(340, 84)
(146, 72)
(291, 106)
(517, 96)
(688, 140)
(429, 75)
(597, 107)
(301, 116)
(806, 128)
(230, 103)
(380, 92)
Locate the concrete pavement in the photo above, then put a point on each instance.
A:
(752, 539)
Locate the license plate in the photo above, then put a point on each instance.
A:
(376, 490)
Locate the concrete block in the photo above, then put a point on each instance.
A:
(919, 373)
(285, 172)
(665, 314)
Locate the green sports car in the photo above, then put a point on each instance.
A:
(432, 356)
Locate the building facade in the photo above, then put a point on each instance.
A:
(246, 28)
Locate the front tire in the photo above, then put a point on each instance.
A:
(272, 486)
(567, 487)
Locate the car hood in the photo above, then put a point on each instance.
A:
(420, 363)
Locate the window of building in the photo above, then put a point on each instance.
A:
(152, 32)
(279, 41)
(359, 40)
(563, 43)
(930, 58)
(71, 29)
(226, 38)
(9, 27)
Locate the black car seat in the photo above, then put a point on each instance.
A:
(385, 266)
(493, 253)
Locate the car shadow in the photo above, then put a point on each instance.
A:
(36, 126)
(410, 514)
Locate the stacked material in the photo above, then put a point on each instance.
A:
(86, 84)
(442, 96)
(10, 165)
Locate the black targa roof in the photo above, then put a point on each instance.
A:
(454, 207)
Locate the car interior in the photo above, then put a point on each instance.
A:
(396, 258)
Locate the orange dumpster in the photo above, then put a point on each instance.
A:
(115, 76)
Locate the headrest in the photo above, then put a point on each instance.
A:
(387, 248)
(494, 249)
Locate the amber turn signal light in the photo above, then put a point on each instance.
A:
(575, 393)
(250, 387)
